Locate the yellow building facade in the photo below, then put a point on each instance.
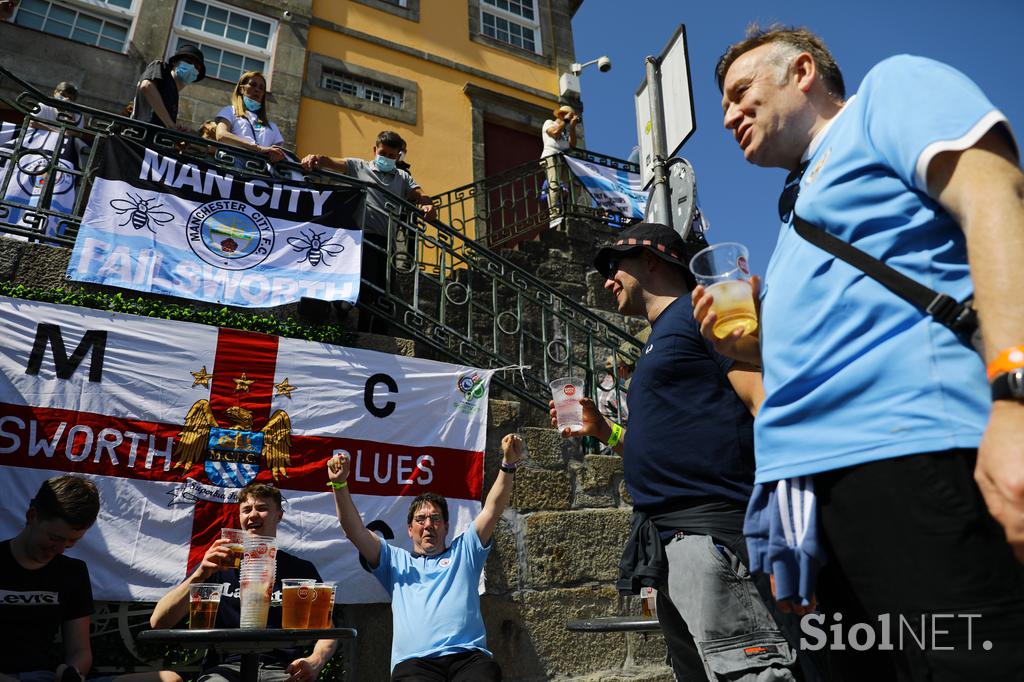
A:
(467, 83)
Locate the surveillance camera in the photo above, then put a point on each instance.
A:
(604, 64)
(286, 14)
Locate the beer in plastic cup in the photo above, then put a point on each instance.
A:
(322, 608)
(203, 600)
(236, 549)
(566, 394)
(297, 595)
(724, 272)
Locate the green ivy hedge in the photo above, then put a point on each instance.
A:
(148, 307)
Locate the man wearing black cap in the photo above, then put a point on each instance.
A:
(156, 98)
(688, 462)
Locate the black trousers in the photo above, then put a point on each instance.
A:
(375, 271)
(469, 666)
(912, 549)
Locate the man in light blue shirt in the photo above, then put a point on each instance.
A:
(435, 603)
(886, 408)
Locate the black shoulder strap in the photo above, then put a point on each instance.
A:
(959, 317)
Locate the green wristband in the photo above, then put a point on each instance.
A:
(336, 485)
(616, 436)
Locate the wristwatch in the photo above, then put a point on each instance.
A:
(1009, 385)
(508, 468)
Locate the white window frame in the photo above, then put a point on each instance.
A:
(99, 10)
(179, 30)
(362, 85)
(513, 18)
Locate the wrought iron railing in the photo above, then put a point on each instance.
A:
(519, 203)
(442, 288)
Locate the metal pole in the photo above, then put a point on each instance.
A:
(660, 197)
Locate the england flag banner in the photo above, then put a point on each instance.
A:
(171, 419)
(168, 225)
(613, 190)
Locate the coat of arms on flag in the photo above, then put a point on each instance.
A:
(165, 224)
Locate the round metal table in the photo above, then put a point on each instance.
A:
(250, 643)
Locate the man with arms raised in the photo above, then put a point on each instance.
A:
(882, 405)
(260, 512)
(438, 630)
(42, 591)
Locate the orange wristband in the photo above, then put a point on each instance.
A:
(1007, 360)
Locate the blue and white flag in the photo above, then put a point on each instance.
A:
(614, 190)
(179, 227)
(30, 173)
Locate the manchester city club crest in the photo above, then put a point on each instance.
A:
(232, 453)
(231, 235)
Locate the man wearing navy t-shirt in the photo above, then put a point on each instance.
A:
(689, 467)
(43, 591)
(435, 604)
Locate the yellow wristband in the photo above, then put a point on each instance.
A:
(1007, 360)
(336, 485)
(616, 436)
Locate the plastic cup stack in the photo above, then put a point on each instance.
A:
(256, 577)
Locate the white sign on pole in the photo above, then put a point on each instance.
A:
(677, 96)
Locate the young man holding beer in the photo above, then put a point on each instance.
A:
(260, 512)
(41, 590)
(688, 462)
(438, 629)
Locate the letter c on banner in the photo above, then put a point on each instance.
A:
(371, 383)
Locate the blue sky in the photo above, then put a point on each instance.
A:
(982, 38)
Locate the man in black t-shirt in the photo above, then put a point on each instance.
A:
(156, 98)
(41, 590)
(260, 512)
(688, 464)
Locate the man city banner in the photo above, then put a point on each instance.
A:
(26, 184)
(171, 419)
(167, 225)
(614, 190)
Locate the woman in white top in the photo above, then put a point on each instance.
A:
(244, 122)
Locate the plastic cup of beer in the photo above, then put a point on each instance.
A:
(724, 272)
(203, 600)
(256, 580)
(236, 548)
(566, 394)
(321, 611)
(297, 596)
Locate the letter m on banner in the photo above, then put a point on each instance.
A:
(94, 341)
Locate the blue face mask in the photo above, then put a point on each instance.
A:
(186, 73)
(384, 164)
(251, 104)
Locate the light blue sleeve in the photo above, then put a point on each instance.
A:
(470, 546)
(383, 571)
(916, 107)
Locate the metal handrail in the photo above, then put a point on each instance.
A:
(443, 288)
(519, 203)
